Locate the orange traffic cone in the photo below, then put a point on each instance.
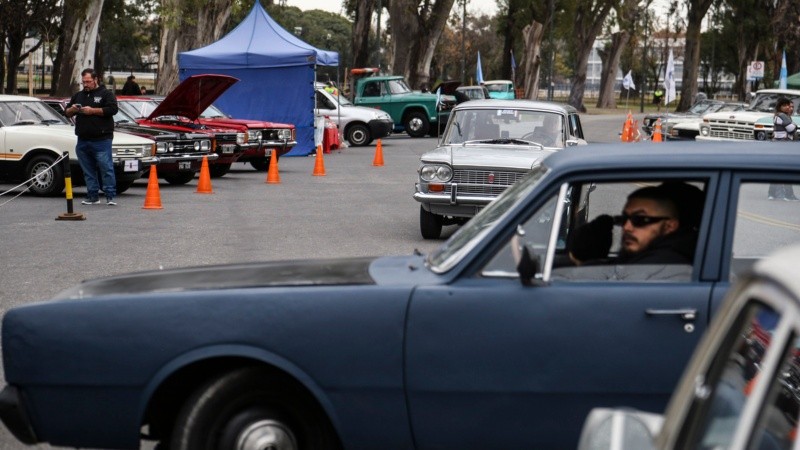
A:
(657, 131)
(319, 164)
(204, 183)
(626, 128)
(273, 177)
(152, 198)
(378, 160)
(636, 136)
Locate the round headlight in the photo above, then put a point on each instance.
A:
(704, 131)
(427, 173)
(196, 145)
(435, 173)
(171, 147)
(444, 173)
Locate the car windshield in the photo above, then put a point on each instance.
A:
(704, 107)
(398, 87)
(123, 117)
(767, 102)
(212, 112)
(28, 113)
(505, 126)
(137, 108)
(468, 236)
(498, 87)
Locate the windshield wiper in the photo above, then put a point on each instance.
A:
(49, 121)
(504, 141)
(25, 122)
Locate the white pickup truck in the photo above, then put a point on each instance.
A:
(740, 125)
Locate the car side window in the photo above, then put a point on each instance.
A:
(721, 397)
(766, 220)
(372, 90)
(604, 236)
(323, 102)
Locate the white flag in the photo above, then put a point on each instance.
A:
(669, 80)
(627, 82)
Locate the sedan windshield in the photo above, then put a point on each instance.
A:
(212, 112)
(137, 108)
(505, 126)
(468, 236)
(28, 113)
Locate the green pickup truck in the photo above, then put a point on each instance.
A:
(416, 113)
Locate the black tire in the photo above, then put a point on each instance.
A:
(358, 135)
(262, 164)
(761, 136)
(218, 170)
(251, 402)
(123, 185)
(430, 224)
(178, 178)
(44, 182)
(416, 124)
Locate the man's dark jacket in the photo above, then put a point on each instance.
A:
(95, 128)
(674, 248)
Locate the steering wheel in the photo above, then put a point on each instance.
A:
(541, 138)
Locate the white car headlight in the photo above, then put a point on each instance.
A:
(435, 173)
(253, 135)
(241, 138)
(205, 145)
(161, 147)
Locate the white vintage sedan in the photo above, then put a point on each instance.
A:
(33, 136)
(487, 146)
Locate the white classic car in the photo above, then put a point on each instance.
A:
(487, 146)
(359, 125)
(740, 125)
(33, 136)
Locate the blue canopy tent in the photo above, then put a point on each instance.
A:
(276, 70)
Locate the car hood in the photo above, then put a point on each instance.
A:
(749, 116)
(60, 130)
(280, 273)
(249, 123)
(123, 138)
(150, 132)
(488, 156)
(193, 96)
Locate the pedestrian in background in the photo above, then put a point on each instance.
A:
(94, 108)
(144, 90)
(784, 129)
(131, 87)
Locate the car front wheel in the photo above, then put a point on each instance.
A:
(218, 170)
(358, 135)
(430, 224)
(416, 124)
(250, 408)
(45, 180)
(178, 178)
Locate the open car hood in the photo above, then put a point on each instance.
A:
(193, 96)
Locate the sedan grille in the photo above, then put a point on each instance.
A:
(483, 182)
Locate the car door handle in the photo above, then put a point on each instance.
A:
(685, 313)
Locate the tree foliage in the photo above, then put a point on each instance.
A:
(21, 19)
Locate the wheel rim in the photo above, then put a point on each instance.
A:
(266, 435)
(42, 178)
(358, 136)
(415, 124)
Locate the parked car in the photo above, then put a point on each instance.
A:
(180, 154)
(270, 136)
(688, 127)
(487, 146)
(741, 389)
(496, 327)
(500, 89)
(700, 107)
(33, 136)
(762, 129)
(474, 92)
(740, 125)
(180, 112)
(359, 125)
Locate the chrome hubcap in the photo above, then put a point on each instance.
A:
(415, 124)
(358, 137)
(266, 435)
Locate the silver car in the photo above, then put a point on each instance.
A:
(487, 146)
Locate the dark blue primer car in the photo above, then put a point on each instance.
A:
(459, 349)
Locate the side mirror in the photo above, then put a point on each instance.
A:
(619, 429)
(527, 267)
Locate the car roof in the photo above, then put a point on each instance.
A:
(11, 98)
(517, 104)
(777, 156)
(498, 82)
(778, 91)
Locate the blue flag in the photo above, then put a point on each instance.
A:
(784, 75)
(513, 68)
(479, 71)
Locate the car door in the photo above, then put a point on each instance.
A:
(495, 363)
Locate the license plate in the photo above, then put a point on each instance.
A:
(228, 149)
(184, 165)
(131, 165)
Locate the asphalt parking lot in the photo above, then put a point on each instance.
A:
(356, 209)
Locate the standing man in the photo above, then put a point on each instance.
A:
(94, 108)
(131, 87)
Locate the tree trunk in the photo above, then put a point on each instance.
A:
(361, 28)
(531, 61)
(589, 18)
(608, 76)
(416, 30)
(188, 26)
(81, 22)
(691, 53)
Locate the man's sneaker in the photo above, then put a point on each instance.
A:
(110, 202)
(89, 201)
(771, 197)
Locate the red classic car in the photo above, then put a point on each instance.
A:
(180, 112)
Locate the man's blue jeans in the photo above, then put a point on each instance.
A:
(96, 163)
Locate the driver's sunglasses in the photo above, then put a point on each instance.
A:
(637, 220)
